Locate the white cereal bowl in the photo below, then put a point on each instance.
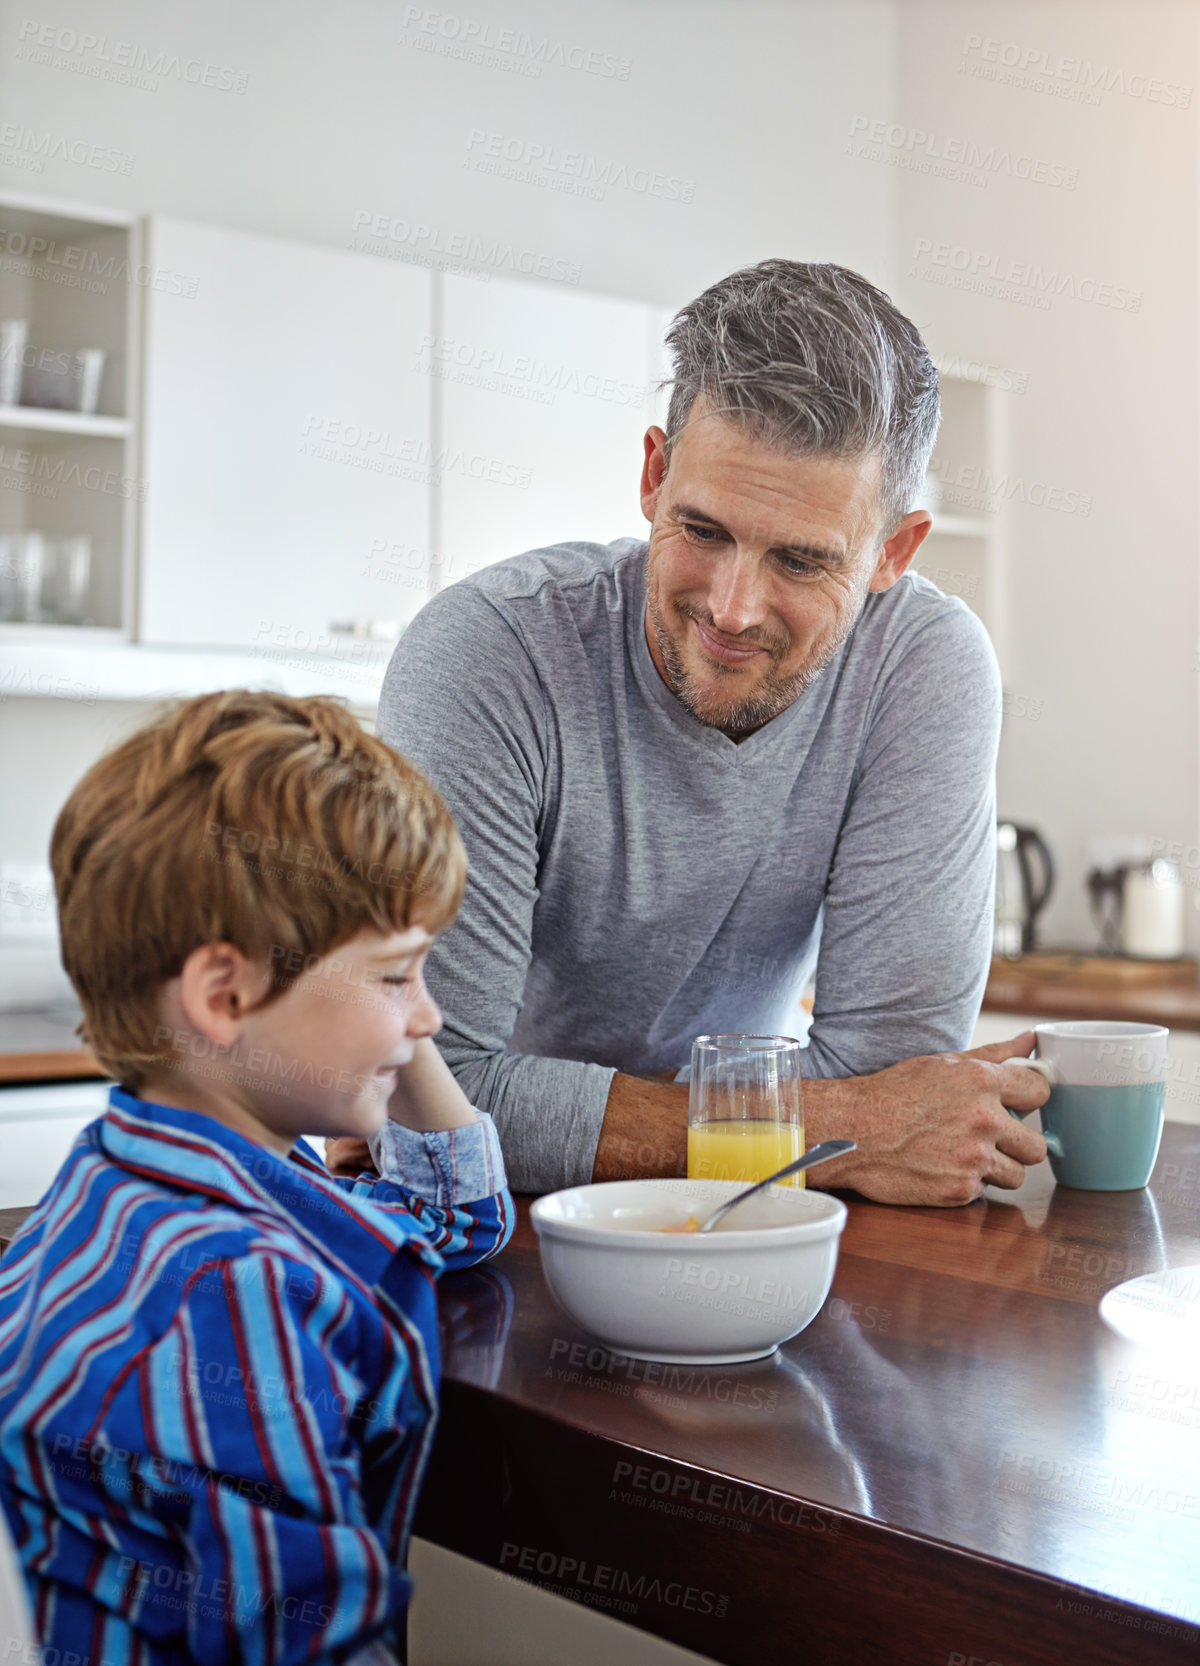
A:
(733, 1294)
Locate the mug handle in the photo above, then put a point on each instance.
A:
(1046, 1069)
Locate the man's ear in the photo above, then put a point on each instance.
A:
(654, 469)
(896, 556)
(217, 988)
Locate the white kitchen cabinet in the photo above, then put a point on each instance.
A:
(543, 397)
(286, 444)
(38, 1126)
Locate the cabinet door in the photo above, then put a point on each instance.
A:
(38, 1126)
(544, 398)
(287, 441)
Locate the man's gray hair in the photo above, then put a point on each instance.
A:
(811, 359)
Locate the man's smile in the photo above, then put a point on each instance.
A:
(727, 650)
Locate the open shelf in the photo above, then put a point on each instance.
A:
(65, 473)
(33, 419)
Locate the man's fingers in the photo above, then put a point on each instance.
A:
(1022, 1089)
(1003, 1171)
(997, 1051)
(1022, 1144)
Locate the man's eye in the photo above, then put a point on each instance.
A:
(702, 534)
(397, 980)
(799, 569)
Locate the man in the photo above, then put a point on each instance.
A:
(688, 772)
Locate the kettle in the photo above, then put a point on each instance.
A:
(1020, 893)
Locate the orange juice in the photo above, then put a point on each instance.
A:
(746, 1150)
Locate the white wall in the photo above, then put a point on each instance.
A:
(356, 110)
(346, 112)
(45, 746)
(1103, 734)
(353, 111)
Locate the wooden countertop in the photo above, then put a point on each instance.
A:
(956, 1461)
(1059, 985)
(40, 1045)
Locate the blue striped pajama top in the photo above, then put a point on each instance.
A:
(218, 1385)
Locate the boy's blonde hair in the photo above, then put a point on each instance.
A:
(274, 824)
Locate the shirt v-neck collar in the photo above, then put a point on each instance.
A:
(763, 743)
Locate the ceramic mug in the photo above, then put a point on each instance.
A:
(1108, 1084)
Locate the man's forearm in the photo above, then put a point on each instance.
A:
(645, 1128)
(644, 1134)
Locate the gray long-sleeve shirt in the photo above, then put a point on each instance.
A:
(637, 878)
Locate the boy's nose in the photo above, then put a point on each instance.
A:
(424, 1018)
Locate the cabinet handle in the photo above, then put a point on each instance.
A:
(366, 630)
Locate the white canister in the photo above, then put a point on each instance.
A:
(1152, 911)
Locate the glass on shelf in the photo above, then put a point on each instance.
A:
(45, 581)
(12, 358)
(22, 574)
(62, 381)
(67, 585)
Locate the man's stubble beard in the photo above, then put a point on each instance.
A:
(773, 694)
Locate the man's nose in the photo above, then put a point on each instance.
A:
(736, 596)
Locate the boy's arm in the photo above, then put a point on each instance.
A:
(439, 1159)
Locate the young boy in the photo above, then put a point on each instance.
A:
(218, 1363)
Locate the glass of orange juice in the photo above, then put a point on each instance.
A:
(745, 1107)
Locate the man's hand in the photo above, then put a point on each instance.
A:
(932, 1130)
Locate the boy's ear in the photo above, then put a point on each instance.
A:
(217, 988)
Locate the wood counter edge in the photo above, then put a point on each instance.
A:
(65, 1064)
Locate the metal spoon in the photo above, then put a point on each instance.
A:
(819, 1154)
